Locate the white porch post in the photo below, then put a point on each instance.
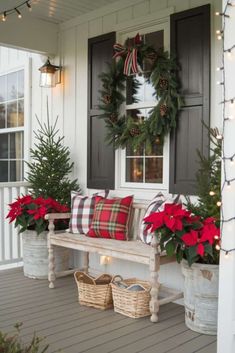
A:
(226, 312)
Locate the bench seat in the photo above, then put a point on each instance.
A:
(133, 250)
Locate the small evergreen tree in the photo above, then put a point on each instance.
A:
(50, 165)
(208, 180)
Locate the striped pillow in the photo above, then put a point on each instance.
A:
(156, 205)
(111, 218)
(83, 210)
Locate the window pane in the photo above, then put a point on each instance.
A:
(16, 145)
(3, 171)
(139, 114)
(156, 149)
(15, 170)
(2, 116)
(3, 146)
(143, 93)
(134, 170)
(12, 114)
(12, 86)
(21, 84)
(134, 152)
(153, 170)
(3, 88)
(21, 112)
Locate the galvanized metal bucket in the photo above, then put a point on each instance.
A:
(201, 297)
(35, 255)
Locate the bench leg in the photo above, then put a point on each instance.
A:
(154, 269)
(51, 257)
(86, 262)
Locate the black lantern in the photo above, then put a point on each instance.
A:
(50, 75)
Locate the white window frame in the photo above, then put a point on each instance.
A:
(27, 67)
(121, 154)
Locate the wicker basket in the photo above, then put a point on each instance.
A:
(94, 292)
(133, 304)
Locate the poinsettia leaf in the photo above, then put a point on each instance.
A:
(208, 249)
(192, 251)
(179, 255)
(170, 248)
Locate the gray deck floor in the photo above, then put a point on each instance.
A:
(56, 315)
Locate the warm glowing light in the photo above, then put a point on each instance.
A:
(217, 13)
(217, 247)
(211, 193)
(105, 260)
(18, 13)
(226, 255)
(232, 102)
(219, 137)
(219, 37)
(218, 203)
(229, 53)
(29, 6)
(216, 237)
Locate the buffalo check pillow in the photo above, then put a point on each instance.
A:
(111, 218)
(82, 211)
(156, 205)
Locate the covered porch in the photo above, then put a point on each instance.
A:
(67, 32)
(71, 328)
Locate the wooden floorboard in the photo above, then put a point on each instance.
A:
(57, 315)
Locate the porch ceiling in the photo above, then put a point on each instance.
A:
(56, 11)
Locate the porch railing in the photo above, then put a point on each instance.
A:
(10, 241)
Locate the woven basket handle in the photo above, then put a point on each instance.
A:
(117, 278)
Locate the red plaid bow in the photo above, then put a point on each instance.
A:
(130, 64)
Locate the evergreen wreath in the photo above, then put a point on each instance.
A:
(128, 60)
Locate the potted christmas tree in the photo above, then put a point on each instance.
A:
(50, 189)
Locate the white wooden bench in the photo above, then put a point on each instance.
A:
(132, 250)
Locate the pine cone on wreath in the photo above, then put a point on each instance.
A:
(163, 83)
(113, 118)
(107, 99)
(134, 131)
(163, 110)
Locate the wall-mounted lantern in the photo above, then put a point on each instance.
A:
(50, 75)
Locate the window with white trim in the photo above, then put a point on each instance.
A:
(140, 167)
(12, 126)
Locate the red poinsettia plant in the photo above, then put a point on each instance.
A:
(184, 234)
(29, 212)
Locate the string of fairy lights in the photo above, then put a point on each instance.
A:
(227, 53)
(16, 10)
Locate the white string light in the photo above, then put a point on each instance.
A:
(226, 181)
(15, 10)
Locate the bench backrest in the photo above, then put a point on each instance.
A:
(138, 212)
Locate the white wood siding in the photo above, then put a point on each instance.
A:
(73, 38)
(69, 100)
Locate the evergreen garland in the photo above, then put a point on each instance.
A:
(124, 130)
(50, 166)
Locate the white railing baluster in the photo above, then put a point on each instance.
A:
(10, 241)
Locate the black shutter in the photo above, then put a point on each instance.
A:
(190, 41)
(100, 157)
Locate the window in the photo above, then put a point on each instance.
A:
(141, 167)
(12, 126)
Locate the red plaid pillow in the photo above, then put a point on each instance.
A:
(111, 218)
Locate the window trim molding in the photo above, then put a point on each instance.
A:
(120, 168)
(26, 128)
